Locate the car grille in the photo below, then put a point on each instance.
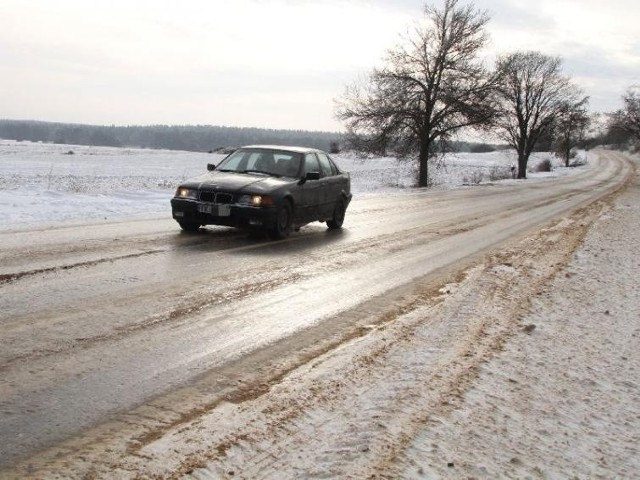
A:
(216, 197)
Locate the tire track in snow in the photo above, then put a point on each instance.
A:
(6, 278)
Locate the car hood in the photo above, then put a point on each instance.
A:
(237, 182)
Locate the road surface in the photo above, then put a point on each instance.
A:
(124, 331)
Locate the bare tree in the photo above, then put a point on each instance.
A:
(430, 86)
(628, 118)
(532, 95)
(571, 126)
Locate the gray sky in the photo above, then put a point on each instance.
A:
(265, 63)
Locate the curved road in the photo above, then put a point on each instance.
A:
(101, 322)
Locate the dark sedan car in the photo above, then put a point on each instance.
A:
(272, 188)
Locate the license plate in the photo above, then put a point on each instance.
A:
(224, 210)
(213, 209)
(207, 208)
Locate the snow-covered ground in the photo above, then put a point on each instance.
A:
(48, 183)
(562, 399)
(45, 183)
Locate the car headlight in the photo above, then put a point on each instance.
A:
(184, 192)
(255, 200)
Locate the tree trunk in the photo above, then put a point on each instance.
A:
(522, 165)
(423, 159)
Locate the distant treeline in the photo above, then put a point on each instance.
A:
(196, 138)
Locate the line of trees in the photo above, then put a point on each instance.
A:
(434, 85)
(202, 138)
(626, 121)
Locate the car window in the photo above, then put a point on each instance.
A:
(287, 164)
(234, 162)
(325, 165)
(272, 162)
(332, 166)
(256, 161)
(311, 163)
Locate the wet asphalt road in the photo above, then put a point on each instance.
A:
(96, 320)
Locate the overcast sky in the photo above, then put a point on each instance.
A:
(265, 63)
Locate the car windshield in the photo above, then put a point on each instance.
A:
(280, 163)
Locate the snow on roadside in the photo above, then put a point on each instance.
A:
(563, 398)
(44, 183)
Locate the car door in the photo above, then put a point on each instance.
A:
(310, 191)
(330, 186)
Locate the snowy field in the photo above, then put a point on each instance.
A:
(49, 183)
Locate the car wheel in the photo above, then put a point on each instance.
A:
(337, 219)
(284, 222)
(189, 226)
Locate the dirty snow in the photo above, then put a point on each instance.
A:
(563, 398)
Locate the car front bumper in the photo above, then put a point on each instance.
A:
(234, 215)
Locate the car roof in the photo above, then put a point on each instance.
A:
(287, 148)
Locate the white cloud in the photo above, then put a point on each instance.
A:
(183, 53)
(596, 40)
(271, 63)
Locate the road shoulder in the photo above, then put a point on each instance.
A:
(563, 399)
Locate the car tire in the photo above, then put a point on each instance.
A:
(337, 219)
(284, 222)
(190, 227)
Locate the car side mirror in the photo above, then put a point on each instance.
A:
(211, 167)
(312, 176)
